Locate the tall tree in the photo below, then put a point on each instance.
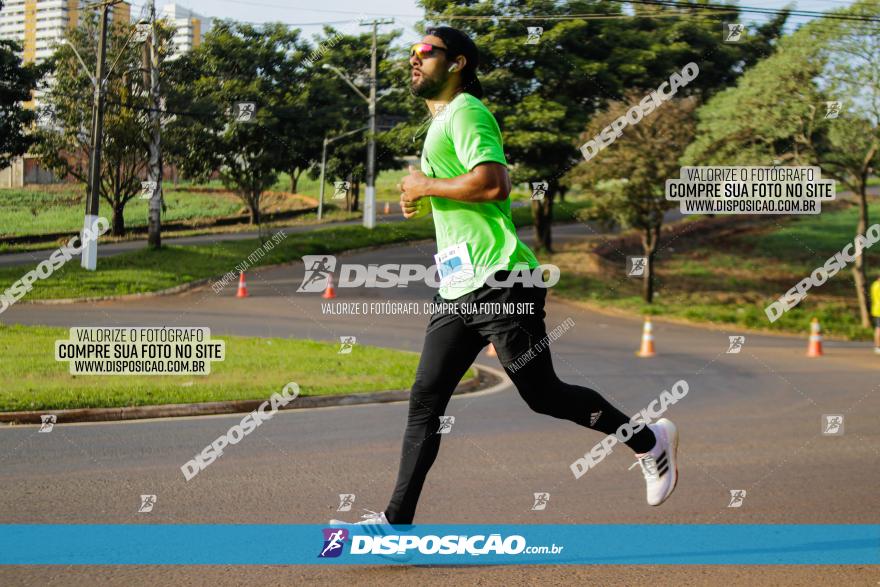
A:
(214, 129)
(543, 94)
(64, 142)
(629, 177)
(779, 112)
(17, 83)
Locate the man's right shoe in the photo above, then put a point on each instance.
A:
(660, 464)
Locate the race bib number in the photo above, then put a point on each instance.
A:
(454, 265)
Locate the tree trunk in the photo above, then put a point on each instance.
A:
(860, 271)
(254, 209)
(355, 196)
(118, 228)
(294, 179)
(542, 212)
(649, 247)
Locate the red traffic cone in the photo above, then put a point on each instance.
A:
(491, 352)
(647, 349)
(814, 349)
(387, 208)
(242, 286)
(330, 292)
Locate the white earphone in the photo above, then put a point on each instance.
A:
(453, 67)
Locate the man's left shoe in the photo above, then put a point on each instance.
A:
(660, 465)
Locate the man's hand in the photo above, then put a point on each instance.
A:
(413, 188)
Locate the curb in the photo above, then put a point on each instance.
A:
(484, 379)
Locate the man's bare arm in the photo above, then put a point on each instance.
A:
(487, 182)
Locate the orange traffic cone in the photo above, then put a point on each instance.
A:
(242, 286)
(330, 292)
(814, 349)
(491, 352)
(647, 349)
(387, 207)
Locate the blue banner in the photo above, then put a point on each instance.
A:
(251, 544)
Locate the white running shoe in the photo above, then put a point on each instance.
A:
(370, 518)
(877, 350)
(659, 465)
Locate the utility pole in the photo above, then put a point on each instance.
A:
(90, 248)
(155, 174)
(370, 201)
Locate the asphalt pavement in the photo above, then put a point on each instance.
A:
(751, 421)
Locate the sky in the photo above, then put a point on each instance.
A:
(344, 14)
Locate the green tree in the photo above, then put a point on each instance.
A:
(237, 64)
(17, 83)
(630, 176)
(777, 113)
(544, 94)
(64, 143)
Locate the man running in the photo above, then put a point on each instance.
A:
(464, 181)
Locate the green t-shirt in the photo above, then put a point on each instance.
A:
(461, 136)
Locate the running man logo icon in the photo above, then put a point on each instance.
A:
(736, 344)
(832, 424)
(141, 32)
(439, 111)
(539, 189)
(319, 268)
(346, 344)
(340, 189)
(636, 266)
(346, 500)
(244, 111)
(733, 32)
(534, 35)
(737, 496)
(832, 109)
(148, 188)
(147, 503)
(541, 500)
(334, 539)
(47, 422)
(446, 423)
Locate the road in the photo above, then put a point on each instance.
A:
(750, 421)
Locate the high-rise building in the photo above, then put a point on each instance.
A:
(38, 25)
(191, 27)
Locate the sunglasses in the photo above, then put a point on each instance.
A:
(423, 50)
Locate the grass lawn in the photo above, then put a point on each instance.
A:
(732, 280)
(146, 270)
(254, 369)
